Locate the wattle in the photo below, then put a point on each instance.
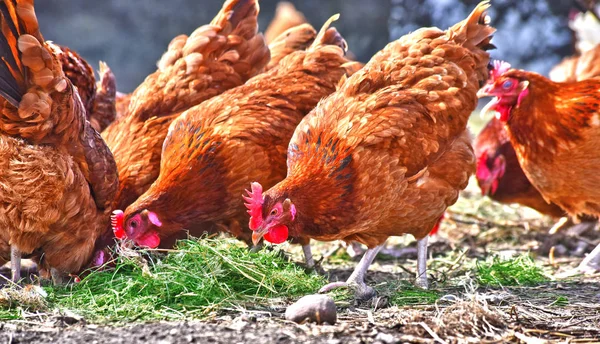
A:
(150, 240)
(277, 235)
(503, 112)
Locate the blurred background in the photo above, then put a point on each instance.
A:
(131, 35)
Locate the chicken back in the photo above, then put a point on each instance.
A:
(57, 177)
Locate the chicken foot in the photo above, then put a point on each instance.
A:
(15, 264)
(356, 281)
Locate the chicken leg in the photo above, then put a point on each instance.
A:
(15, 264)
(356, 281)
(422, 263)
(308, 257)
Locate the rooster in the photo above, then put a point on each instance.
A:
(214, 58)
(386, 153)
(553, 128)
(57, 176)
(214, 149)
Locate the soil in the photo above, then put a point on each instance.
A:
(557, 311)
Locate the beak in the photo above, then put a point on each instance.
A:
(258, 234)
(486, 91)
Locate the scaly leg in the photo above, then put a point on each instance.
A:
(15, 264)
(356, 281)
(308, 257)
(422, 262)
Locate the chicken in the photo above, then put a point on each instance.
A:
(499, 174)
(57, 176)
(286, 17)
(553, 128)
(498, 171)
(213, 59)
(577, 68)
(386, 153)
(216, 148)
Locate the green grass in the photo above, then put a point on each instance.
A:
(408, 294)
(196, 278)
(517, 271)
(561, 301)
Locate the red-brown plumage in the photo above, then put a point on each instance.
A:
(492, 146)
(57, 176)
(214, 150)
(554, 130)
(388, 151)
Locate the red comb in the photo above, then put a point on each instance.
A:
(499, 68)
(116, 221)
(254, 202)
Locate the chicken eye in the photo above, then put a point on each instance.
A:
(507, 84)
(274, 212)
(133, 224)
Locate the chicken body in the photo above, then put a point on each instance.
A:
(499, 173)
(57, 177)
(553, 128)
(215, 149)
(387, 152)
(213, 59)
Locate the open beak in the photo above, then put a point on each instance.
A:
(258, 234)
(485, 91)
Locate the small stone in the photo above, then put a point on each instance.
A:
(313, 308)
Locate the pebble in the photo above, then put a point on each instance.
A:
(313, 308)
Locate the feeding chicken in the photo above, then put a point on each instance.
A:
(57, 176)
(553, 128)
(498, 171)
(215, 149)
(213, 59)
(386, 153)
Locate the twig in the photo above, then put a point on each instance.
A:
(431, 333)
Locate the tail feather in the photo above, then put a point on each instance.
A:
(330, 36)
(475, 34)
(235, 11)
(12, 73)
(17, 19)
(475, 31)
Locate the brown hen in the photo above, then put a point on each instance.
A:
(387, 152)
(553, 128)
(57, 177)
(216, 148)
(213, 59)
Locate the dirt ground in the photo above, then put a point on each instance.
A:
(566, 311)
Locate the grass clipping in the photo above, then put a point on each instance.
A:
(196, 278)
(517, 271)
